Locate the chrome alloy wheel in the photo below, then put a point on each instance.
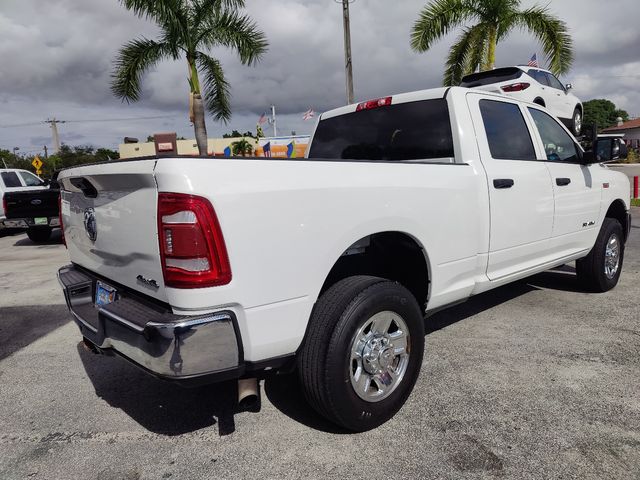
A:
(612, 257)
(379, 356)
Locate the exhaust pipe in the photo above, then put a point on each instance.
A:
(248, 397)
(90, 347)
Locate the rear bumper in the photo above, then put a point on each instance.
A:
(30, 222)
(189, 349)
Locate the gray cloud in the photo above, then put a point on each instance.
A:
(57, 58)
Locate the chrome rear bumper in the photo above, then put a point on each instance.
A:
(202, 348)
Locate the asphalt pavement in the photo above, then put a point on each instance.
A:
(535, 380)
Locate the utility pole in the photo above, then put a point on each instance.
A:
(348, 66)
(273, 120)
(54, 133)
(46, 153)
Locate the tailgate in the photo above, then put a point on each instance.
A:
(31, 203)
(109, 212)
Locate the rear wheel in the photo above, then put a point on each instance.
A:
(363, 351)
(576, 122)
(600, 270)
(39, 234)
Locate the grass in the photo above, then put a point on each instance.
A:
(635, 202)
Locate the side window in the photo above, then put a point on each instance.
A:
(554, 82)
(10, 179)
(30, 180)
(540, 77)
(507, 134)
(558, 145)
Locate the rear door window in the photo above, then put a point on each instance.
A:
(10, 179)
(539, 77)
(405, 131)
(507, 132)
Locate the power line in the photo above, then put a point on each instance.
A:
(90, 120)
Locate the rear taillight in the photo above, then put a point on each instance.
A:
(515, 87)
(192, 247)
(60, 218)
(370, 104)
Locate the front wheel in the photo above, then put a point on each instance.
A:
(600, 270)
(576, 122)
(363, 351)
(39, 234)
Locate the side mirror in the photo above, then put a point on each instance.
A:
(568, 86)
(606, 150)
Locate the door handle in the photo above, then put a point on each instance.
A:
(503, 183)
(561, 182)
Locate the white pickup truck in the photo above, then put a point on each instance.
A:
(200, 269)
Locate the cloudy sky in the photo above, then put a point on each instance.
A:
(56, 59)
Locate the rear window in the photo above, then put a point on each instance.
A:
(406, 131)
(491, 76)
(10, 179)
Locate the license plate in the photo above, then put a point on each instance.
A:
(105, 294)
(41, 221)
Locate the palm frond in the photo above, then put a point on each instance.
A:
(552, 34)
(133, 59)
(216, 87)
(465, 54)
(437, 19)
(231, 29)
(170, 15)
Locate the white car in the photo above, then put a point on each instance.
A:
(534, 85)
(201, 270)
(15, 180)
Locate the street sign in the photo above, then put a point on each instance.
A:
(37, 163)
(38, 172)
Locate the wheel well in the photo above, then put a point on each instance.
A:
(579, 107)
(539, 101)
(618, 211)
(391, 255)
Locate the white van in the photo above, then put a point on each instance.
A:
(13, 180)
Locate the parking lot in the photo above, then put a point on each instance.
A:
(533, 380)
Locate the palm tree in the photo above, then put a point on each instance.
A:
(188, 29)
(494, 19)
(241, 148)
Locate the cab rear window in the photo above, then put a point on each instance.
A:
(405, 131)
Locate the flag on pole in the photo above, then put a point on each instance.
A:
(534, 61)
(263, 119)
(308, 115)
(267, 149)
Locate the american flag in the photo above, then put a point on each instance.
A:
(263, 119)
(534, 61)
(308, 115)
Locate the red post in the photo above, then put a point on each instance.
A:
(635, 186)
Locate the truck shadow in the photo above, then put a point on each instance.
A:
(22, 325)
(159, 406)
(56, 239)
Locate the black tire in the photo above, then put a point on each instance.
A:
(325, 363)
(591, 269)
(39, 234)
(576, 122)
